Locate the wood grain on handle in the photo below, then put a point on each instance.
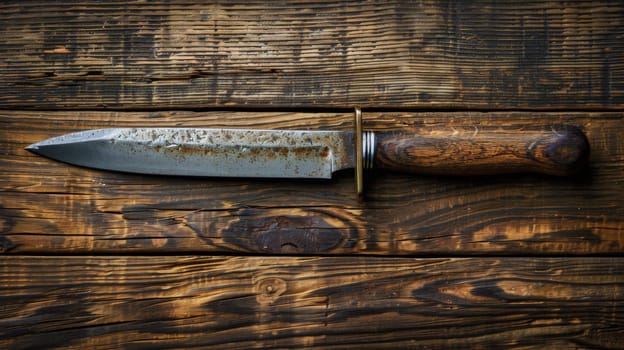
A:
(555, 150)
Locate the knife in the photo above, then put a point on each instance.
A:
(554, 150)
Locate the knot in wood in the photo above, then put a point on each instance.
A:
(5, 243)
(288, 231)
(269, 289)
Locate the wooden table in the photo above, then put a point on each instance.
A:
(95, 259)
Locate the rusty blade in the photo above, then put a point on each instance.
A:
(206, 152)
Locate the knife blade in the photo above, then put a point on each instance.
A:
(205, 152)
(554, 150)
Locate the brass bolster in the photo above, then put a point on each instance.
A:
(359, 157)
(364, 152)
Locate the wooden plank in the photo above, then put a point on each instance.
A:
(265, 302)
(51, 207)
(376, 53)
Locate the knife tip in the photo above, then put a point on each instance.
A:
(32, 148)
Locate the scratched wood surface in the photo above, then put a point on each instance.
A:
(280, 302)
(50, 206)
(92, 259)
(376, 53)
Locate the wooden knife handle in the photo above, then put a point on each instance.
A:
(557, 150)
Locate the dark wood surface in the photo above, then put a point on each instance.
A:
(377, 53)
(54, 207)
(277, 302)
(95, 259)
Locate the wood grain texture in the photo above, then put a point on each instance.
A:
(51, 207)
(479, 290)
(271, 302)
(560, 150)
(375, 53)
